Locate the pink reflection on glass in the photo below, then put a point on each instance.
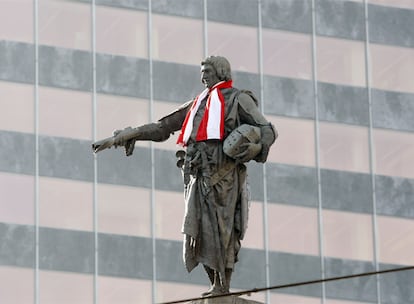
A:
(174, 291)
(254, 234)
(117, 112)
(341, 61)
(16, 285)
(344, 147)
(237, 43)
(392, 68)
(65, 288)
(16, 102)
(396, 243)
(65, 113)
(293, 229)
(394, 153)
(171, 39)
(287, 54)
(124, 210)
(296, 142)
(16, 20)
(348, 235)
(122, 291)
(65, 204)
(121, 32)
(170, 212)
(65, 24)
(17, 198)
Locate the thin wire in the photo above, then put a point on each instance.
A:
(254, 290)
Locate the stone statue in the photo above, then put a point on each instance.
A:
(220, 130)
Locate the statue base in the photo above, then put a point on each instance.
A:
(224, 300)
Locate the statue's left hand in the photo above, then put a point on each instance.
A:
(249, 151)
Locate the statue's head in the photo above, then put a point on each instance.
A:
(215, 69)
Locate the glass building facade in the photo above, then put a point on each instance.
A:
(336, 196)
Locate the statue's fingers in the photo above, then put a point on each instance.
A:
(241, 154)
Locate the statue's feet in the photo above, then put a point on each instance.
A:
(214, 291)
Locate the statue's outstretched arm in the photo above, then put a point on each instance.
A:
(157, 131)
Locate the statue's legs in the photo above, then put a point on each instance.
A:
(210, 273)
(226, 285)
(218, 285)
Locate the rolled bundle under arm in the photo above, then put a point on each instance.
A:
(250, 114)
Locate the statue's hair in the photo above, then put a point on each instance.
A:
(221, 65)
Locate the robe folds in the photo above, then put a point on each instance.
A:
(216, 214)
(215, 186)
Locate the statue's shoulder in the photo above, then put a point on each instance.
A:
(241, 96)
(247, 96)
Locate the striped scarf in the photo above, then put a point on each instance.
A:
(212, 122)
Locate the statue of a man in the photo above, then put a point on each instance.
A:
(215, 186)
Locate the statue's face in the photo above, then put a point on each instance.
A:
(209, 75)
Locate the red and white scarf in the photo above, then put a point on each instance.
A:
(212, 123)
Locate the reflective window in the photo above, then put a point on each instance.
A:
(65, 113)
(65, 288)
(16, 102)
(293, 229)
(17, 198)
(287, 54)
(396, 243)
(344, 147)
(117, 112)
(235, 42)
(121, 32)
(65, 24)
(396, 3)
(65, 204)
(347, 235)
(394, 153)
(16, 285)
(123, 290)
(177, 39)
(169, 214)
(392, 68)
(296, 141)
(16, 20)
(124, 210)
(340, 61)
(254, 234)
